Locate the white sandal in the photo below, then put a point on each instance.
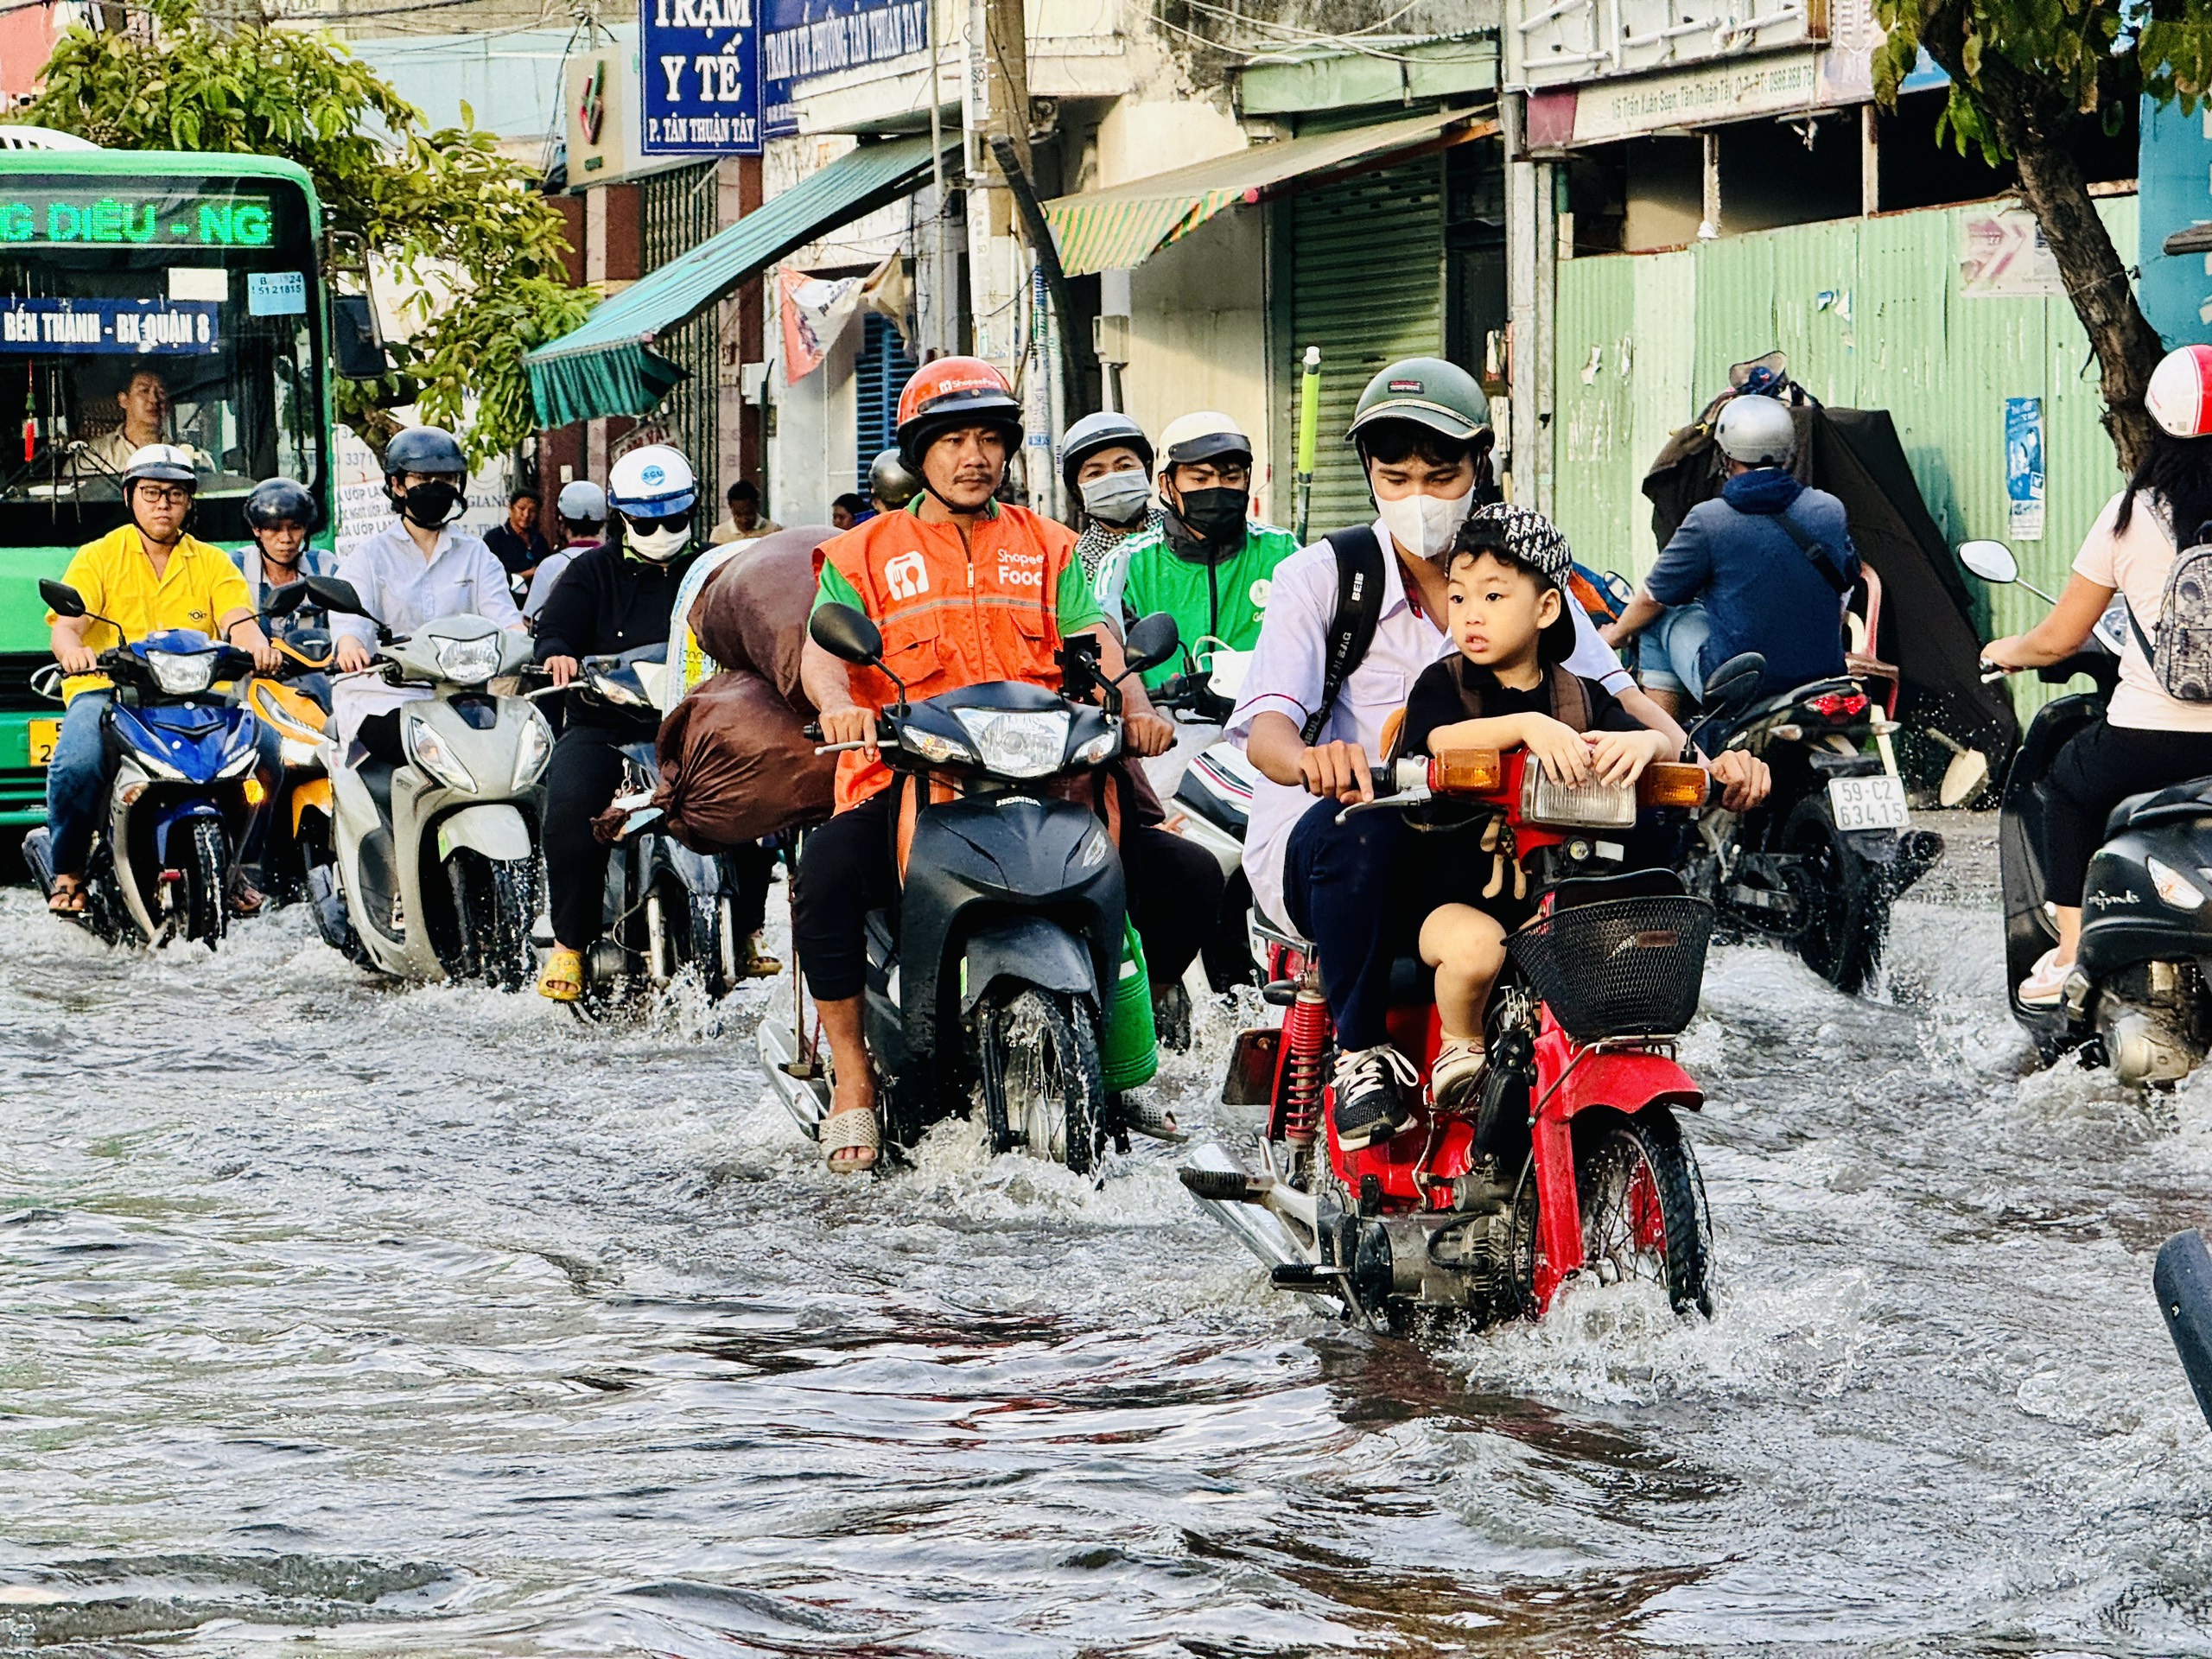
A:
(853, 1130)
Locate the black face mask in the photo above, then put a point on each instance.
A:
(1216, 516)
(429, 505)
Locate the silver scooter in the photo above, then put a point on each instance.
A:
(436, 871)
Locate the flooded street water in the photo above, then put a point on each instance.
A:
(434, 1322)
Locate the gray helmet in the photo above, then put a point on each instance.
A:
(582, 502)
(1108, 430)
(889, 481)
(1428, 391)
(1756, 431)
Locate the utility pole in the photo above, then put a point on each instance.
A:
(995, 104)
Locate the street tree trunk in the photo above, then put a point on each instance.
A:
(2036, 127)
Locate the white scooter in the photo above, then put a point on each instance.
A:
(1205, 783)
(436, 870)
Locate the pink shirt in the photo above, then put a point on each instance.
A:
(2136, 562)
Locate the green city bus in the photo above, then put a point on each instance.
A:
(137, 286)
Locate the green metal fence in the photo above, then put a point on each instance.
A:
(1871, 314)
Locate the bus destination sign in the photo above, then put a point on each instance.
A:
(65, 218)
(124, 328)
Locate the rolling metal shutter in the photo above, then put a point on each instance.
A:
(679, 214)
(1367, 279)
(879, 377)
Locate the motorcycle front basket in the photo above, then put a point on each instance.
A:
(1619, 967)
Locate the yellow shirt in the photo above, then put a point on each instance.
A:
(198, 589)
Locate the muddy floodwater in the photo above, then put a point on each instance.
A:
(341, 1318)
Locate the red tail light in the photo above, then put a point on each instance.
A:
(1838, 705)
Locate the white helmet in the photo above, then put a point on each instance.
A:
(1202, 437)
(583, 503)
(1756, 431)
(167, 463)
(654, 490)
(2179, 397)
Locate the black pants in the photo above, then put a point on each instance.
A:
(2100, 767)
(583, 777)
(849, 869)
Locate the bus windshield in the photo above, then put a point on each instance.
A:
(167, 310)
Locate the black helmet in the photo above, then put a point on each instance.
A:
(423, 450)
(1105, 430)
(275, 499)
(889, 481)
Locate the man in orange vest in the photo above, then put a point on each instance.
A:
(966, 590)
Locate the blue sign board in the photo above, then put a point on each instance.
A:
(132, 328)
(2174, 179)
(802, 39)
(699, 65)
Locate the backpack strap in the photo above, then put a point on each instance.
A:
(1815, 551)
(1352, 629)
(1570, 699)
(2142, 640)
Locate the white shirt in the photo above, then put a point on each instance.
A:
(1286, 673)
(2137, 563)
(461, 577)
(549, 572)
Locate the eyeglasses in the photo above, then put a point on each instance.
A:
(164, 495)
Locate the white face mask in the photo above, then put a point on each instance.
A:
(1118, 498)
(658, 546)
(1425, 525)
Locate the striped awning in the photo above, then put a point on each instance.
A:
(1110, 229)
(607, 365)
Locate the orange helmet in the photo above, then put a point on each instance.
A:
(948, 393)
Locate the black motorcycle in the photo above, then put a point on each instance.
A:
(993, 974)
(2137, 999)
(1816, 865)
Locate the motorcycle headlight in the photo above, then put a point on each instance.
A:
(938, 751)
(2175, 888)
(298, 753)
(428, 751)
(1100, 747)
(1028, 744)
(1599, 805)
(532, 750)
(239, 764)
(179, 672)
(469, 661)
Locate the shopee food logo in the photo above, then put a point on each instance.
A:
(907, 575)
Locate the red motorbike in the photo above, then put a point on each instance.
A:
(1569, 1158)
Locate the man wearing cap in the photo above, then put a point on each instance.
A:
(1208, 564)
(1312, 726)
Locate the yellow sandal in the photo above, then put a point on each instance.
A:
(562, 979)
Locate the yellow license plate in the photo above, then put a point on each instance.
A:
(44, 734)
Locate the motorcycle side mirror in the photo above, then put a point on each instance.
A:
(285, 600)
(1991, 561)
(1735, 684)
(847, 635)
(334, 594)
(61, 598)
(1152, 641)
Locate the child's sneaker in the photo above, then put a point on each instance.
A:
(1371, 1086)
(1457, 1072)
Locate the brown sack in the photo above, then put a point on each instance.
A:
(734, 767)
(752, 613)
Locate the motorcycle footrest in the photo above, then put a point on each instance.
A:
(1227, 1185)
(1306, 1275)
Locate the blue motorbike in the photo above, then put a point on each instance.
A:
(184, 755)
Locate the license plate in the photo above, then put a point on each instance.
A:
(44, 734)
(1875, 803)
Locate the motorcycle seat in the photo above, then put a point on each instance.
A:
(2191, 800)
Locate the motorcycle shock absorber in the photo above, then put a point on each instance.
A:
(1306, 1043)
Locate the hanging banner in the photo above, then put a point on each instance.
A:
(2024, 468)
(699, 69)
(815, 312)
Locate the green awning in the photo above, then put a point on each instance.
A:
(1110, 229)
(607, 366)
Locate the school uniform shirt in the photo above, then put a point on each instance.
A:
(314, 562)
(1436, 700)
(198, 588)
(1285, 676)
(2136, 563)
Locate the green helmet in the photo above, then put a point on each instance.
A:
(1429, 390)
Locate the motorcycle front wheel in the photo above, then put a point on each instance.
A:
(1642, 1203)
(1042, 1089)
(1846, 909)
(497, 902)
(203, 905)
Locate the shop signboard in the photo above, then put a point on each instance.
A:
(699, 75)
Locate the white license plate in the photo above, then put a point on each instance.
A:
(1875, 803)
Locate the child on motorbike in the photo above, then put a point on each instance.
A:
(1506, 687)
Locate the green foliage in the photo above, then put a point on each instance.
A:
(463, 226)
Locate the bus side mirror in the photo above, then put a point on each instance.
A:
(356, 352)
